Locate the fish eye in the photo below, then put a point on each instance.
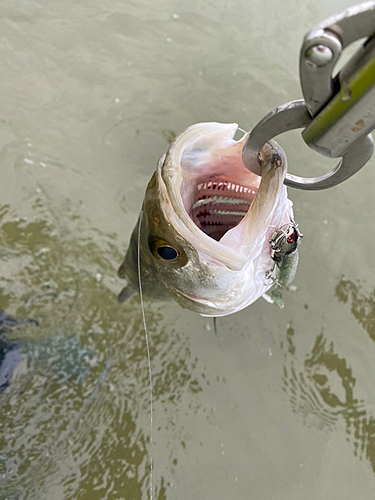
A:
(164, 251)
(167, 253)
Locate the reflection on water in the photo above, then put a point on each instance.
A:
(322, 391)
(75, 417)
(362, 305)
(9, 351)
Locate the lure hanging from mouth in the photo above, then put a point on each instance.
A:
(206, 223)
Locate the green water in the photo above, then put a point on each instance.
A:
(280, 405)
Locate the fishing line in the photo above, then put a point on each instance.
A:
(215, 325)
(148, 354)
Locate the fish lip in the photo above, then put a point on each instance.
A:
(200, 301)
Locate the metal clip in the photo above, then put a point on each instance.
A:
(338, 112)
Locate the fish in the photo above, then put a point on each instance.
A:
(204, 231)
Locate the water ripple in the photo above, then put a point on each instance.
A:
(321, 389)
(75, 418)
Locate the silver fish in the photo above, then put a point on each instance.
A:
(205, 226)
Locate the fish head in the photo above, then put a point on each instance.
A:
(202, 237)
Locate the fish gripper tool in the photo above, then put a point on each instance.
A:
(337, 113)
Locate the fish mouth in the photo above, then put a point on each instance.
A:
(220, 203)
(212, 200)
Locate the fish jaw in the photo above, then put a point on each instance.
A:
(268, 207)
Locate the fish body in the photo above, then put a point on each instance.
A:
(203, 234)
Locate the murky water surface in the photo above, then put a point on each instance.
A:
(278, 405)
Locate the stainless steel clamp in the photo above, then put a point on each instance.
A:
(337, 112)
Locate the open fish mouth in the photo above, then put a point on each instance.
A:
(219, 204)
(212, 200)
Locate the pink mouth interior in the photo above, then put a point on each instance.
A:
(220, 203)
(217, 189)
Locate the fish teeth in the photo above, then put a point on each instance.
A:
(225, 186)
